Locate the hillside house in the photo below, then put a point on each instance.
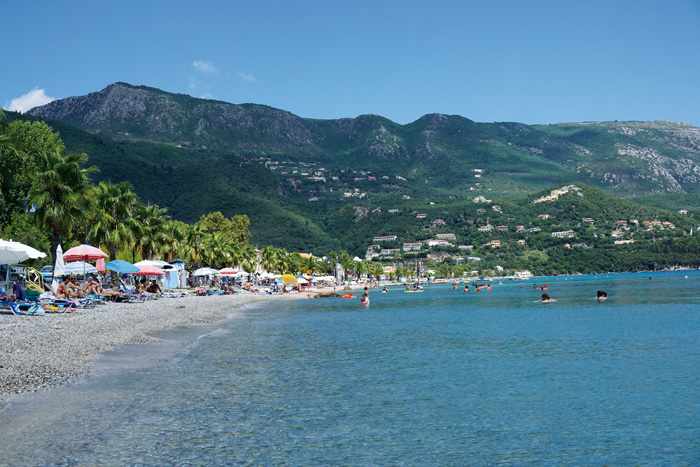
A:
(588, 220)
(412, 246)
(564, 234)
(432, 243)
(494, 243)
(389, 251)
(543, 217)
(421, 216)
(486, 228)
(385, 238)
(439, 223)
(502, 228)
(446, 236)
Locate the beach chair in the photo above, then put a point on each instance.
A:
(19, 307)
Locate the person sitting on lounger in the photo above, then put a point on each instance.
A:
(62, 292)
(73, 289)
(154, 288)
(92, 286)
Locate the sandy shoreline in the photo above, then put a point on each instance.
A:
(45, 351)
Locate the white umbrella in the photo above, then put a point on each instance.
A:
(241, 274)
(16, 252)
(80, 267)
(154, 262)
(205, 272)
(59, 269)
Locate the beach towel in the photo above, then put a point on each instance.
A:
(19, 293)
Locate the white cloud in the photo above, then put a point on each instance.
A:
(247, 77)
(205, 66)
(33, 98)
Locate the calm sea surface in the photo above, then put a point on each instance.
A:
(433, 378)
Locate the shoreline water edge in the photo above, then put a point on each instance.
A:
(53, 349)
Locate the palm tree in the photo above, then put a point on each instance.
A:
(175, 234)
(111, 228)
(310, 265)
(248, 258)
(59, 188)
(193, 241)
(267, 256)
(152, 230)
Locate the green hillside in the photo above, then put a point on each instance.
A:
(317, 185)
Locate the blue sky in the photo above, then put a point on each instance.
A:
(524, 61)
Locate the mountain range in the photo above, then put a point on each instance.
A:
(292, 175)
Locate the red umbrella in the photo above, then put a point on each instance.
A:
(83, 253)
(147, 270)
(228, 271)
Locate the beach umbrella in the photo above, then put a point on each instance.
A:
(79, 267)
(100, 265)
(289, 279)
(205, 272)
(228, 271)
(84, 253)
(16, 252)
(154, 262)
(301, 280)
(59, 269)
(147, 270)
(121, 267)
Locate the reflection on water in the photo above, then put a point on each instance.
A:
(438, 378)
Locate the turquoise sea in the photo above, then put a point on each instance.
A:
(433, 378)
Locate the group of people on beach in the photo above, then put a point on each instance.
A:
(68, 288)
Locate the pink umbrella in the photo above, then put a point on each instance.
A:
(228, 271)
(83, 253)
(101, 265)
(147, 270)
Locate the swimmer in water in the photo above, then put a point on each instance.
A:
(601, 296)
(546, 299)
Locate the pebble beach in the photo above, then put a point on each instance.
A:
(45, 351)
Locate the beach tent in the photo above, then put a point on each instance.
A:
(175, 276)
